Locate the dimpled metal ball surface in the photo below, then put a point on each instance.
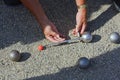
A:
(114, 37)
(84, 63)
(14, 55)
(87, 37)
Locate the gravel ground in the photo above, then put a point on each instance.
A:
(20, 31)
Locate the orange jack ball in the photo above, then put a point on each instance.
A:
(40, 47)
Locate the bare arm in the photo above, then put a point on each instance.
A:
(35, 7)
(49, 29)
(81, 21)
(80, 2)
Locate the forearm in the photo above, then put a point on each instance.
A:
(81, 5)
(80, 2)
(35, 7)
(81, 20)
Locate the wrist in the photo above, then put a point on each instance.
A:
(43, 21)
(80, 2)
(82, 12)
(82, 7)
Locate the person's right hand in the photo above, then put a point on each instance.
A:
(52, 34)
(81, 21)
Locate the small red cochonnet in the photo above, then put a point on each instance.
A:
(40, 47)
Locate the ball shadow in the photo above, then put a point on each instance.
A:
(103, 67)
(62, 13)
(24, 56)
(96, 38)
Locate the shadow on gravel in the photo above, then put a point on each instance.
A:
(18, 25)
(101, 19)
(25, 56)
(96, 38)
(103, 67)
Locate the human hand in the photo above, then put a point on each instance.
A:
(52, 34)
(81, 21)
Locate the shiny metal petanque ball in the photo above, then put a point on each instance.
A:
(114, 37)
(14, 55)
(84, 62)
(87, 37)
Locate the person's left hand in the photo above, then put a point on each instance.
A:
(81, 21)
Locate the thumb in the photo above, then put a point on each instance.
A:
(77, 29)
(54, 34)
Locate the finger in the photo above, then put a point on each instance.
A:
(83, 28)
(62, 36)
(78, 27)
(51, 38)
(59, 38)
(54, 37)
